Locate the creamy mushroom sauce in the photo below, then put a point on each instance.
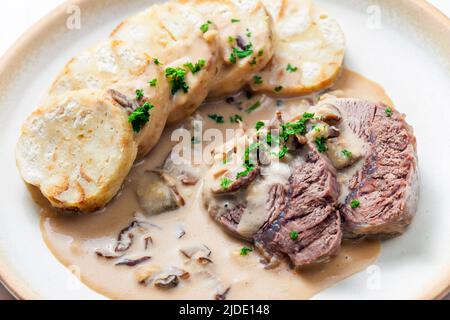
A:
(163, 242)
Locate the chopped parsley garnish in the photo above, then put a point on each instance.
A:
(140, 117)
(205, 27)
(248, 168)
(235, 20)
(321, 144)
(236, 118)
(291, 68)
(293, 128)
(259, 125)
(177, 79)
(253, 62)
(260, 53)
(278, 89)
(257, 79)
(293, 235)
(139, 94)
(196, 67)
(388, 112)
(217, 118)
(269, 138)
(355, 203)
(156, 61)
(225, 182)
(231, 40)
(253, 107)
(241, 53)
(245, 251)
(233, 58)
(347, 153)
(153, 82)
(283, 152)
(248, 34)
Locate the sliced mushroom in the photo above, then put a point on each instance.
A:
(333, 132)
(180, 232)
(238, 184)
(126, 237)
(146, 272)
(196, 251)
(241, 43)
(142, 220)
(123, 100)
(147, 240)
(125, 240)
(108, 255)
(182, 169)
(173, 186)
(170, 278)
(167, 282)
(222, 295)
(204, 260)
(184, 275)
(133, 262)
(157, 193)
(327, 113)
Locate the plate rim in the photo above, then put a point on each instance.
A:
(18, 287)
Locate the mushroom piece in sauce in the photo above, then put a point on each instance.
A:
(170, 281)
(200, 252)
(157, 193)
(171, 278)
(187, 173)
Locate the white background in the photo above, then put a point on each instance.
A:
(17, 16)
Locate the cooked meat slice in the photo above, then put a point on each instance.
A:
(383, 194)
(296, 218)
(303, 222)
(231, 217)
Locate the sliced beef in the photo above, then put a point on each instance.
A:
(387, 185)
(301, 218)
(303, 222)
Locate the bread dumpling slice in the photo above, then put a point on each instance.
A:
(309, 49)
(77, 150)
(129, 76)
(172, 33)
(245, 39)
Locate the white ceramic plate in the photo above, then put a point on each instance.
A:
(403, 44)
